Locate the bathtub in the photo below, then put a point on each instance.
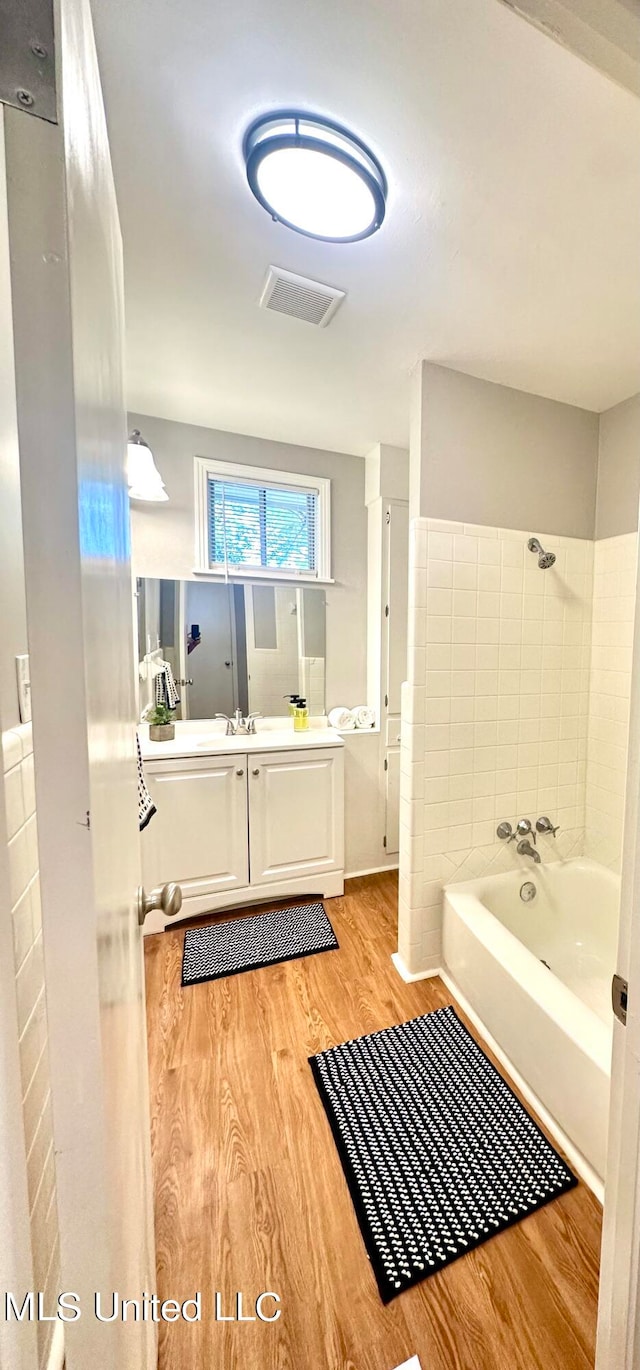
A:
(537, 975)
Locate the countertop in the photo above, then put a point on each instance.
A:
(203, 738)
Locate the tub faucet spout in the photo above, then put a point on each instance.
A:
(524, 848)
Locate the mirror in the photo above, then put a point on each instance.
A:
(233, 646)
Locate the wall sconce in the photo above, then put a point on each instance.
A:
(145, 481)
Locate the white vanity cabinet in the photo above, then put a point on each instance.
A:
(198, 835)
(296, 814)
(245, 826)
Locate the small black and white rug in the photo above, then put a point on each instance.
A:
(262, 939)
(438, 1153)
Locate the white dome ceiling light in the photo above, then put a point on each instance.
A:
(145, 481)
(315, 177)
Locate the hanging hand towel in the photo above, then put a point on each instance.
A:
(146, 806)
(165, 686)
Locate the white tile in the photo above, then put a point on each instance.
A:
(465, 548)
(14, 801)
(439, 575)
(465, 575)
(11, 750)
(440, 546)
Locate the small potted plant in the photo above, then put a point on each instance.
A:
(161, 724)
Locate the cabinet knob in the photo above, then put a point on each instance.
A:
(240, 772)
(256, 771)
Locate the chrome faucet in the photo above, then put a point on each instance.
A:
(230, 729)
(524, 848)
(245, 725)
(239, 724)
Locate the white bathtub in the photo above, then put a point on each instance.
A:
(553, 1024)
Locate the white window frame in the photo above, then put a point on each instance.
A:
(204, 468)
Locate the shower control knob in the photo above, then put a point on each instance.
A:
(545, 825)
(505, 832)
(523, 827)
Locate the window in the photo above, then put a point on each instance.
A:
(254, 522)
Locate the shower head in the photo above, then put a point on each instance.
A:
(545, 559)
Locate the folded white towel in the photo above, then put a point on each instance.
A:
(342, 719)
(364, 716)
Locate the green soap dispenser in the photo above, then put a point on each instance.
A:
(301, 717)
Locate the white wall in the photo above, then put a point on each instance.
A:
(27, 1024)
(163, 536)
(26, 916)
(13, 616)
(487, 454)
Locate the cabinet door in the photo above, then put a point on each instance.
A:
(198, 836)
(296, 813)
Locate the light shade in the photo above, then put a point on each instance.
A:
(145, 481)
(315, 177)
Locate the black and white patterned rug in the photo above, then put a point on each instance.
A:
(262, 939)
(438, 1152)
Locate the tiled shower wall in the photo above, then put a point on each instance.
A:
(495, 710)
(17, 750)
(614, 594)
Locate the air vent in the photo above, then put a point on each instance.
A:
(286, 293)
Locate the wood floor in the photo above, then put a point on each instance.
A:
(250, 1194)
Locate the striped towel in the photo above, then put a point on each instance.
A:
(146, 806)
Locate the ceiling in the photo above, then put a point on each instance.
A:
(510, 245)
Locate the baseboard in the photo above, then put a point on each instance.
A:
(322, 885)
(55, 1359)
(373, 870)
(409, 976)
(575, 1158)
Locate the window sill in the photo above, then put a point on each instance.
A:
(269, 576)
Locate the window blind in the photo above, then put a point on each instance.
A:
(261, 526)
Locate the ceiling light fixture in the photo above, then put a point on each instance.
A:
(145, 481)
(314, 176)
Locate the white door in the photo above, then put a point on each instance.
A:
(68, 329)
(296, 820)
(199, 834)
(618, 1345)
(397, 594)
(392, 800)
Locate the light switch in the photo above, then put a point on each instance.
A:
(23, 677)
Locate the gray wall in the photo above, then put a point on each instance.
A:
(484, 453)
(619, 470)
(163, 536)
